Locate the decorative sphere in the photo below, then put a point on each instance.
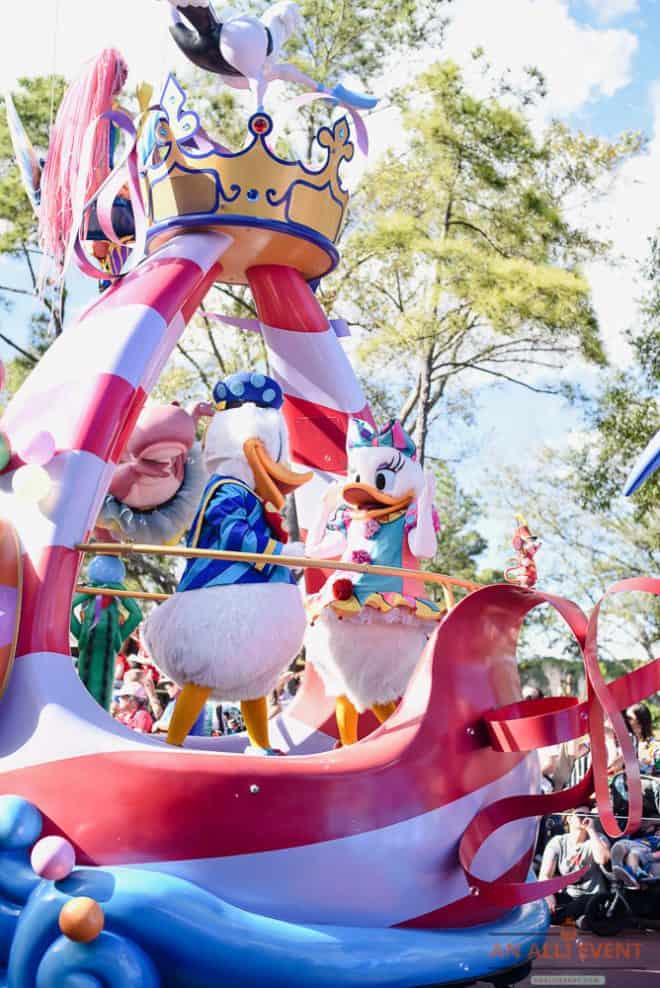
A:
(38, 450)
(107, 569)
(20, 823)
(81, 919)
(5, 451)
(31, 483)
(53, 858)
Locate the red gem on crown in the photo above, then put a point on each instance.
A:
(260, 125)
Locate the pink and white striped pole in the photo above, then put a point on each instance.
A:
(321, 390)
(89, 389)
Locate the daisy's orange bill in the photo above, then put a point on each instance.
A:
(369, 502)
(11, 589)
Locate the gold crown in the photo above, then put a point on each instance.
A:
(276, 211)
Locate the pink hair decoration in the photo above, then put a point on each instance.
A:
(89, 96)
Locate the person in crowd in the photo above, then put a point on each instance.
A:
(640, 726)
(638, 858)
(234, 722)
(581, 846)
(532, 693)
(161, 725)
(132, 710)
(126, 659)
(578, 757)
(142, 675)
(282, 694)
(219, 726)
(145, 660)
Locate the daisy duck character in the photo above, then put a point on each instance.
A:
(232, 627)
(368, 631)
(523, 571)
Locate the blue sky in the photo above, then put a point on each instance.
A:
(631, 107)
(601, 59)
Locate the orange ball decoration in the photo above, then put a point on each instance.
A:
(81, 919)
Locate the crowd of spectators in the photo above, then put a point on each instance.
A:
(634, 862)
(144, 699)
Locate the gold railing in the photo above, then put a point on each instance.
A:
(292, 562)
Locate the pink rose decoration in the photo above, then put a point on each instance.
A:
(360, 556)
(371, 528)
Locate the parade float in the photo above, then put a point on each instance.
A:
(402, 860)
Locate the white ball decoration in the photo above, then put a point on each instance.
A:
(31, 483)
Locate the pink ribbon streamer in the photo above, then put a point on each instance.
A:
(339, 326)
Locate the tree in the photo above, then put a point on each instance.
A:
(582, 554)
(624, 416)
(343, 39)
(36, 101)
(461, 255)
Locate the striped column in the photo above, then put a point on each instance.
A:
(319, 384)
(87, 391)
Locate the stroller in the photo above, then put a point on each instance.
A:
(623, 907)
(628, 902)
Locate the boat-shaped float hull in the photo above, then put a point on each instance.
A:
(364, 838)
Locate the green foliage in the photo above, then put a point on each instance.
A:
(344, 37)
(33, 101)
(36, 101)
(584, 553)
(461, 254)
(624, 416)
(459, 543)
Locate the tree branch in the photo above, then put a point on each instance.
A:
(408, 405)
(28, 259)
(471, 226)
(29, 356)
(211, 338)
(17, 291)
(513, 380)
(236, 298)
(196, 365)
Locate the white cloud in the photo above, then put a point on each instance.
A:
(59, 35)
(581, 64)
(611, 10)
(629, 215)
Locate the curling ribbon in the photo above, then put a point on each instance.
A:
(124, 173)
(361, 134)
(533, 724)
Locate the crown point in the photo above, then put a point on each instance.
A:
(260, 124)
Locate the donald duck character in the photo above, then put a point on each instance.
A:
(367, 633)
(232, 627)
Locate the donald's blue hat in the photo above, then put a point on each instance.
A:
(246, 386)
